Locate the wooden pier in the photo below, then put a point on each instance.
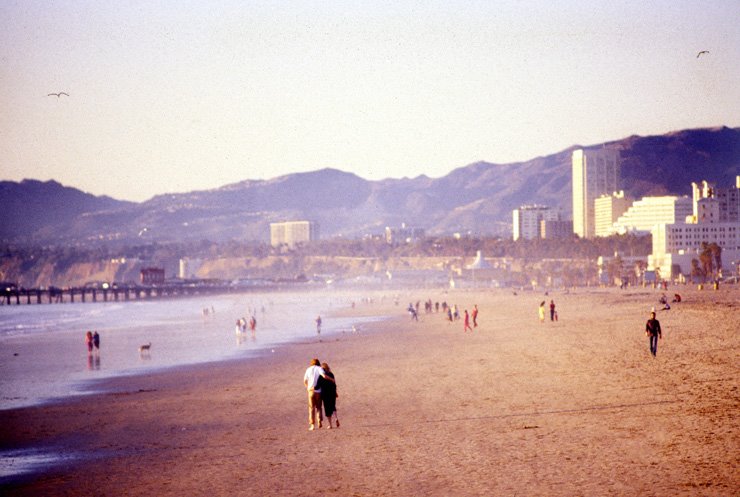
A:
(54, 295)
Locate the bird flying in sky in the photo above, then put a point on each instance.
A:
(58, 94)
(702, 52)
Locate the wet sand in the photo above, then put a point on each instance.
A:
(519, 407)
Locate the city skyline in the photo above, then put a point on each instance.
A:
(180, 97)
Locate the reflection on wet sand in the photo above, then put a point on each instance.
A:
(93, 362)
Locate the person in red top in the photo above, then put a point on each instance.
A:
(89, 341)
(467, 322)
(552, 310)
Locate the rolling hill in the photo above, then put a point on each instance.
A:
(477, 198)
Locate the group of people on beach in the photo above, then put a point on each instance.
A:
(652, 327)
(451, 312)
(241, 325)
(321, 386)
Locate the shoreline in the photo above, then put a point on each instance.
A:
(516, 407)
(60, 368)
(42, 458)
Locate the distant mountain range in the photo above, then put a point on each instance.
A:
(477, 198)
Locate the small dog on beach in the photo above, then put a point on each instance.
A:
(145, 348)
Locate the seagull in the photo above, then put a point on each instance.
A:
(58, 94)
(702, 52)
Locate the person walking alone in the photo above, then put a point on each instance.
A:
(653, 331)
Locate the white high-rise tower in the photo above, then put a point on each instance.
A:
(595, 173)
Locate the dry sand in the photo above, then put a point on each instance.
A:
(575, 407)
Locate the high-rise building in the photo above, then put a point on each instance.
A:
(291, 233)
(526, 220)
(596, 172)
(607, 209)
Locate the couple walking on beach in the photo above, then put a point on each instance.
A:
(92, 340)
(322, 392)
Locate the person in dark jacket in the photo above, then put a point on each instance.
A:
(653, 331)
(329, 396)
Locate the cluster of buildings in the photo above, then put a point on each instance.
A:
(292, 233)
(680, 226)
(715, 218)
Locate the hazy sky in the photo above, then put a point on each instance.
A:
(172, 96)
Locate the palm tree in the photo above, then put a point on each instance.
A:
(614, 269)
(696, 271)
(716, 252)
(707, 260)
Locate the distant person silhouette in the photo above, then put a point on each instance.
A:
(552, 310)
(541, 312)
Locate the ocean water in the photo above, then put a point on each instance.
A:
(43, 355)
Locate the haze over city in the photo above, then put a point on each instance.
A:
(184, 96)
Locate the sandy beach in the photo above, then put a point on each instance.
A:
(518, 407)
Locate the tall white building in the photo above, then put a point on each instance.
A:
(607, 209)
(292, 233)
(527, 218)
(595, 172)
